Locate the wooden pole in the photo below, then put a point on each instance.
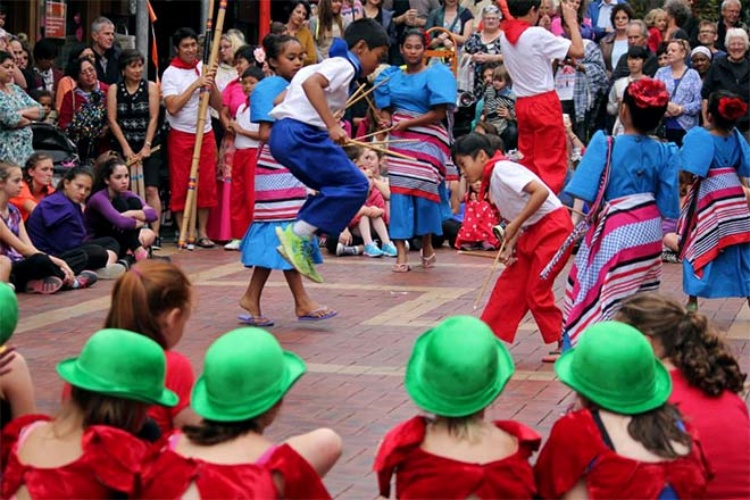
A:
(190, 214)
(489, 276)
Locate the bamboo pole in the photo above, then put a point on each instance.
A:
(489, 275)
(190, 213)
(351, 102)
(377, 132)
(382, 150)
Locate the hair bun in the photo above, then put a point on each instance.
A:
(732, 108)
(648, 93)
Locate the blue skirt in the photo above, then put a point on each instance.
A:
(728, 275)
(258, 247)
(414, 216)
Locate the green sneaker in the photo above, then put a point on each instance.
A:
(294, 249)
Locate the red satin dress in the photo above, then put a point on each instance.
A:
(110, 463)
(420, 474)
(576, 450)
(168, 475)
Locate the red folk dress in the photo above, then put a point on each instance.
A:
(168, 475)
(420, 474)
(576, 450)
(110, 463)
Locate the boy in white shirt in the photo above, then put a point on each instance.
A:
(538, 224)
(306, 137)
(528, 51)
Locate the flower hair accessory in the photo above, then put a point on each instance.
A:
(732, 108)
(648, 93)
(260, 55)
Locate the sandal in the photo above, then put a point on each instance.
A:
(46, 286)
(401, 268)
(205, 243)
(428, 262)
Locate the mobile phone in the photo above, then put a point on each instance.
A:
(566, 120)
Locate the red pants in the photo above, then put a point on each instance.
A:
(541, 138)
(520, 288)
(242, 198)
(180, 145)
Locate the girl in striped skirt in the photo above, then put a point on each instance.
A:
(278, 195)
(635, 180)
(414, 101)
(715, 221)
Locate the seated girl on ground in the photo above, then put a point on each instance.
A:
(457, 453)
(37, 183)
(245, 377)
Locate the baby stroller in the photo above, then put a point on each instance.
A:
(51, 141)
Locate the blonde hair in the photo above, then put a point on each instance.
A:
(468, 428)
(236, 39)
(653, 15)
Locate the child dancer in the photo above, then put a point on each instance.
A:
(115, 211)
(89, 450)
(457, 453)
(244, 163)
(245, 377)
(16, 386)
(305, 137)
(155, 299)
(527, 54)
(414, 101)
(715, 224)
(707, 385)
(538, 225)
(278, 195)
(632, 183)
(626, 441)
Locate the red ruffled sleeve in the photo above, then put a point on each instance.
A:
(12, 431)
(528, 439)
(300, 479)
(396, 446)
(567, 454)
(115, 457)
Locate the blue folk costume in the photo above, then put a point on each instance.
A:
(620, 255)
(418, 193)
(278, 194)
(300, 141)
(715, 221)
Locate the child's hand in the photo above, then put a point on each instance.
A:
(503, 112)
(569, 14)
(345, 238)
(511, 231)
(338, 134)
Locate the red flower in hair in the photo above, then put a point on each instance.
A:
(732, 108)
(648, 93)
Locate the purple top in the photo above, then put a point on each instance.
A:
(100, 212)
(56, 225)
(14, 224)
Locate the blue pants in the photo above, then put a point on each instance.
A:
(314, 159)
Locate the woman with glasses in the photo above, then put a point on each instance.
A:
(484, 46)
(684, 87)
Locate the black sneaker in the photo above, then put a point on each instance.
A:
(670, 256)
(157, 244)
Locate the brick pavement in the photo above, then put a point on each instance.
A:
(355, 361)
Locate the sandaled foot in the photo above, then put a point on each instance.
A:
(46, 286)
(428, 262)
(257, 321)
(401, 268)
(205, 243)
(319, 314)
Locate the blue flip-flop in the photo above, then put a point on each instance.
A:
(313, 317)
(250, 320)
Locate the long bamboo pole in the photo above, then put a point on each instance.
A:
(190, 213)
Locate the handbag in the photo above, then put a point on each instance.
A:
(661, 129)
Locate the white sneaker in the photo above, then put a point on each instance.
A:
(111, 272)
(233, 246)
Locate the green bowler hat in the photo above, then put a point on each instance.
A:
(122, 364)
(245, 373)
(614, 366)
(8, 312)
(457, 368)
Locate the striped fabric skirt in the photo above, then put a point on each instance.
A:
(618, 257)
(278, 194)
(720, 219)
(423, 175)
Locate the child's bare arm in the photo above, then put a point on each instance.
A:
(314, 90)
(244, 132)
(384, 188)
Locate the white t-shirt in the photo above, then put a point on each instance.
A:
(529, 61)
(605, 15)
(339, 73)
(243, 120)
(506, 192)
(175, 81)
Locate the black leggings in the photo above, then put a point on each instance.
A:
(34, 267)
(91, 255)
(128, 239)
